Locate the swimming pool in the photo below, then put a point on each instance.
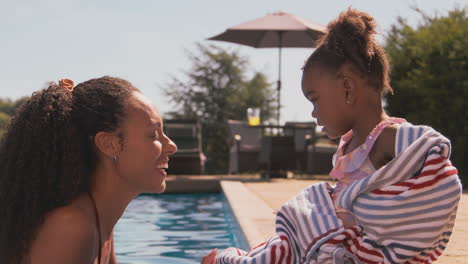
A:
(175, 228)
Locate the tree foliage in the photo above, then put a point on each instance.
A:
(215, 89)
(430, 76)
(7, 109)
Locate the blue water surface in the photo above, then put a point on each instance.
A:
(175, 228)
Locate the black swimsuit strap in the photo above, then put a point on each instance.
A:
(98, 226)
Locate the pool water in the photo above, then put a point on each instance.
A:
(175, 228)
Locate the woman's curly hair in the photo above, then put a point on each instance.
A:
(47, 155)
(350, 39)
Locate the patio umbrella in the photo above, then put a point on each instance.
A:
(276, 30)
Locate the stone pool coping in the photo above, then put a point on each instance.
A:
(255, 217)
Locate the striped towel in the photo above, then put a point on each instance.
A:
(405, 212)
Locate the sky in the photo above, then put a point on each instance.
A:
(147, 41)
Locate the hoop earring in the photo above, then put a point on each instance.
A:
(115, 158)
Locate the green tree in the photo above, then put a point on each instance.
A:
(214, 90)
(4, 118)
(7, 109)
(9, 106)
(430, 77)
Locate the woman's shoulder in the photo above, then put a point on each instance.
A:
(72, 219)
(66, 235)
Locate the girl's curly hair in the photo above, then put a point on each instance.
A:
(350, 39)
(47, 155)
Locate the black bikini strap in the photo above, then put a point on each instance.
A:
(98, 226)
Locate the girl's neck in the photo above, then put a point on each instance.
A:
(364, 125)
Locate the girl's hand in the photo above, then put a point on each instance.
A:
(210, 258)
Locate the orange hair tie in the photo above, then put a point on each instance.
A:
(67, 84)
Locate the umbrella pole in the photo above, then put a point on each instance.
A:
(280, 46)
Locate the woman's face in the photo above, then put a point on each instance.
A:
(145, 149)
(328, 98)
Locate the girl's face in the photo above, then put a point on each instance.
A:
(145, 148)
(328, 98)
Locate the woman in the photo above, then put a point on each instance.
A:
(71, 161)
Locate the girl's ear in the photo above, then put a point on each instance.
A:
(107, 143)
(349, 83)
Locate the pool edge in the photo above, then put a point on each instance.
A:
(255, 217)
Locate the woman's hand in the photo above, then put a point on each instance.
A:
(210, 258)
(347, 218)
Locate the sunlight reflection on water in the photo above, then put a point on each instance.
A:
(174, 228)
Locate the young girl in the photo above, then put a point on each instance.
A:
(397, 192)
(71, 161)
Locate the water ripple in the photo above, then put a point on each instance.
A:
(168, 228)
